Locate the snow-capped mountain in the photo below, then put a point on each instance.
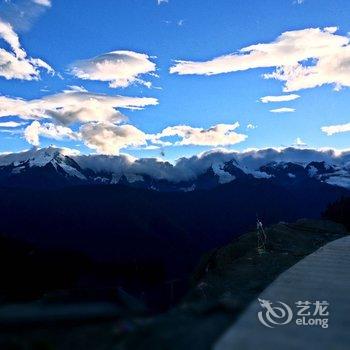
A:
(329, 173)
(47, 167)
(53, 167)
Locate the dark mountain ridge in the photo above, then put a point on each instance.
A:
(121, 223)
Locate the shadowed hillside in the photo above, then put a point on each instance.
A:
(339, 211)
(138, 239)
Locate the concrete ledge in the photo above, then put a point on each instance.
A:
(321, 276)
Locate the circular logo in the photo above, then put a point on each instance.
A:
(274, 315)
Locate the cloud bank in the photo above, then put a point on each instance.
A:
(189, 168)
(186, 169)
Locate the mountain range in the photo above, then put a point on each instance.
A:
(52, 167)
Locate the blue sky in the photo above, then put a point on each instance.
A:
(63, 32)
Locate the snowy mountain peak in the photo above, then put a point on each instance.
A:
(35, 156)
(39, 158)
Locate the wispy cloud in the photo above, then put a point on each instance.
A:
(46, 3)
(282, 110)
(336, 129)
(73, 106)
(159, 2)
(290, 54)
(16, 64)
(11, 124)
(283, 98)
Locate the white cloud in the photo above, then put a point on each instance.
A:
(283, 110)
(108, 138)
(303, 59)
(119, 68)
(299, 142)
(7, 33)
(335, 129)
(46, 3)
(74, 105)
(31, 133)
(97, 115)
(10, 124)
(283, 98)
(251, 126)
(217, 135)
(159, 2)
(49, 130)
(16, 64)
